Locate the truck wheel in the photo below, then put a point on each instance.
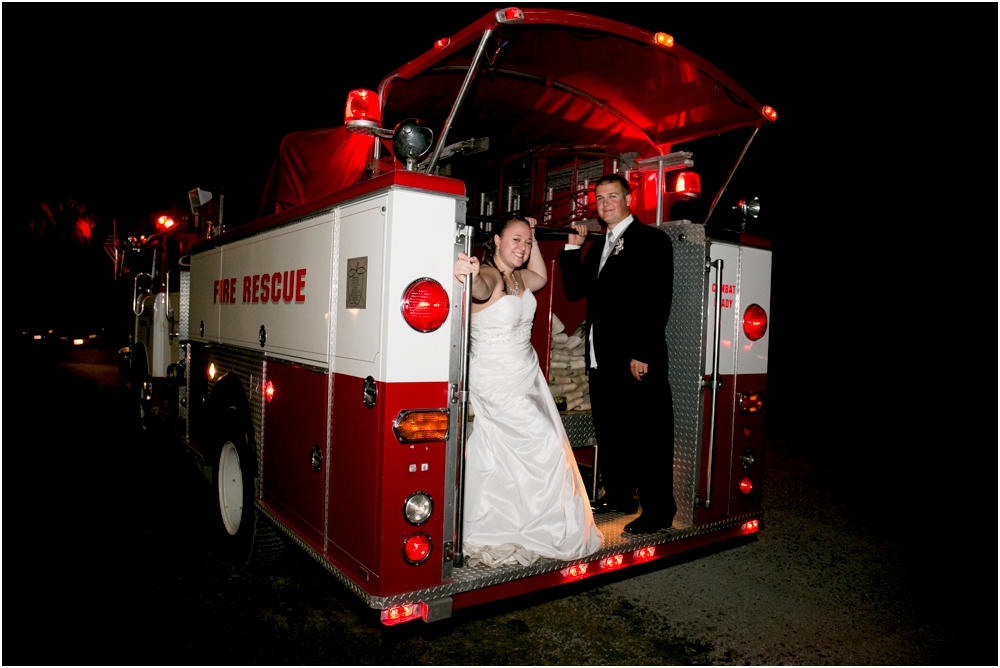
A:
(248, 538)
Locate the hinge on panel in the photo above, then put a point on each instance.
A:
(448, 551)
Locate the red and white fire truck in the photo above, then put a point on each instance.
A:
(315, 360)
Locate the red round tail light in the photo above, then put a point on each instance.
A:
(746, 485)
(754, 322)
(417, 548)
(425, 305)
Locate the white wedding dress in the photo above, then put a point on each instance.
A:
(524, 497)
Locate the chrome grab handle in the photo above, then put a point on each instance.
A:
(715, 380)
(136, 302)
(462, 395)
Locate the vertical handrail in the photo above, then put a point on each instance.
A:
(469, 75)
(462, 394)
(715, 380)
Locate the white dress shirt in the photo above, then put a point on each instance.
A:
(610, 239)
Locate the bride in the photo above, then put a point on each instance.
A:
(524, 497)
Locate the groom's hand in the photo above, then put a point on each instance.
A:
(639, 369)
(580, 236)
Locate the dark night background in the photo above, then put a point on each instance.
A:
(867, 181)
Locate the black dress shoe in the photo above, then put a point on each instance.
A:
(606, 505)
(646, 525)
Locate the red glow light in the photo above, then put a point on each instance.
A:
(425, 305)
(362, 105)
(614, 561)
(403, 613)
(165, 222)
(443, 42)
(575, 571)
(512, 14)
(769, 113)
(663, 39)
(751, 526)
(754, 322)
(687, 184)
(269, 391)
(644, 553)
(746, 485)
(417, 548)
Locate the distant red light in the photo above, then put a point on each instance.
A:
(754, 322)
(165, 222)
(443, 42)
(746, 485)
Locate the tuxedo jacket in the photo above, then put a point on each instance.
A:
(628, 304)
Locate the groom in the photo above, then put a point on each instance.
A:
(627, 278)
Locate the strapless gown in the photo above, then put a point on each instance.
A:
(524, 497)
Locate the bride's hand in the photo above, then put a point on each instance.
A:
(465, 266)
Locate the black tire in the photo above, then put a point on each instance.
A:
(246, 536)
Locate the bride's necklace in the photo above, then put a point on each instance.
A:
(516, 290)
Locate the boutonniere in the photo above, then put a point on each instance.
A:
(619, 246)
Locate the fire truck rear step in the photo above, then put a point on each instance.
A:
(467, 579)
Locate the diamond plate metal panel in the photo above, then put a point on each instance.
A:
(468, 579)
(685, 347)
(248, 365)
(185, 303)
(580, 429)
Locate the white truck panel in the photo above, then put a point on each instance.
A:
(297, 324)
(421, 244)
(206, 268)
(730, 256)
(360, 240)
(755, 288)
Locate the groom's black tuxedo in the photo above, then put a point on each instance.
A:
(628, 305)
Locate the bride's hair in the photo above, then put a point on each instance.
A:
(490, 249)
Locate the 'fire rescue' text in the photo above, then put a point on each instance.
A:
(261, 288)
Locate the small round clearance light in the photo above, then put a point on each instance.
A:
(417, 548)
(443, 42)
(754, 322)
(663, 39)
(769, 113)
(746, 485)
(425, 305)
(269, 391)
(418, 508)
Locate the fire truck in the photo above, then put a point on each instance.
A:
(315, 360)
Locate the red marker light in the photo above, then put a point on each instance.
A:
(362, 105)
(751, 526)
(663, 39)
(269, 391)
(403, 613)
(746, 485)
(166, 222)
(754, 322)
(417, 549)
(574, 571)
(769, 113)
(443, 42)
(644, 553)
(510, 15)
(614, 561)
(425, 305)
